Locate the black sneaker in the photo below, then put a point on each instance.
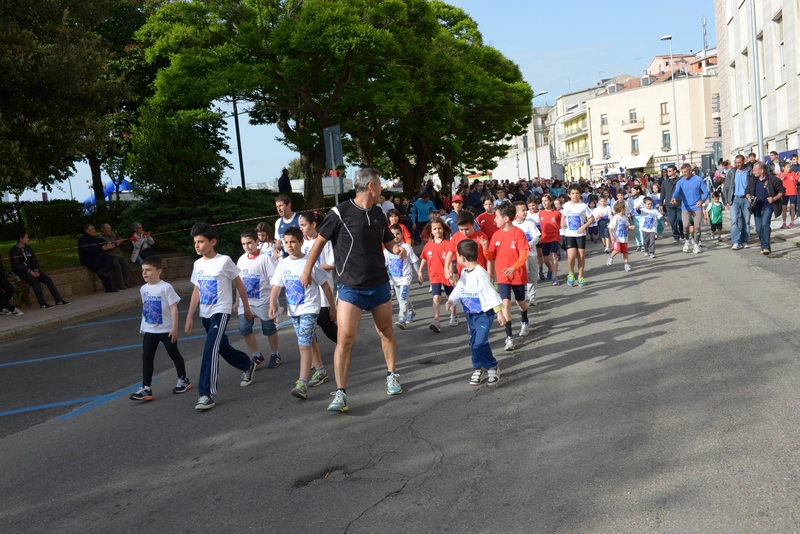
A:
(274, 361)
(46, 306)
(143, 394)
(183, 386)
(63, 302)
(258, 359)
(247, 376)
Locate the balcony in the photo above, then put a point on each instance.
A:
(632, 125)
(574, 132)
(665, 118)
(666, 148)
(604, 129)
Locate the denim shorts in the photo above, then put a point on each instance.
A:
(305, 326)
(365, 298)
(246, 327)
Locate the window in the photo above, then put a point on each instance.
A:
(634, 144)
(606, 150)
(762, 82)
(781, 49)
(632, 115)
(604, 120)
(664, 113)
(748, 89)
(666, 143)
(715, 102)
(664, 108)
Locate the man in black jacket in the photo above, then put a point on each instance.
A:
(764, 192)
(26, 266)
(673, 213)
(284, 183)
(90, 249)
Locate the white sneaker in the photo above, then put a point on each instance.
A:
(523, 330)
(510, 344)
(477, 377)
(696, 249)
(609, 261)
(686, 246)
(627, 267)
(736, 246)
(454, 320)
(494, 375)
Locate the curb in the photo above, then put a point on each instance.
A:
(77, 317)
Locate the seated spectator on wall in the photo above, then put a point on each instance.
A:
(121, 266)
(25, 265)
(142, 244)
(90, 252)
(6, 294)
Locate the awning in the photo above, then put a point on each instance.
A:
(634, 162)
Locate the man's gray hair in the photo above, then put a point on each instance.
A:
(761, 165)
(364, 177)
(136, 224)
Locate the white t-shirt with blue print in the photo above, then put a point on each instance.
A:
(400, 270)
(256, 274)
(214, 278)
(649, 218)
(475, 291)
(619, 228)
(576, 216)
(301, 300)
(157, 300)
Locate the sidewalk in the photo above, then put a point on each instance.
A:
(80, 309)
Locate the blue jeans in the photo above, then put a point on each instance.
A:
(763, 218)
(216, 345)
(479, 326)
(740, 221)
(675, 222)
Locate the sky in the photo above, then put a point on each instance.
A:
(559, 46)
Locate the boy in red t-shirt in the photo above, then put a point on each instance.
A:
(789, 198)
(486, 220)
(433, 255)
(466, 230)
(509, 249)
(550, 221)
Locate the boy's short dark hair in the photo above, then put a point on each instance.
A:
(507, 209)
(155, 261)
(715, 194)
(469, 249)
(286, 199)
(22, 232)
(575, 187)
(396, 227)
(294, 232)
(647, 199)
(251, 234)
(205, 230)
(464, 217)
(519, 203)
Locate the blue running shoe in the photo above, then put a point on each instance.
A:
(393, 387)
(339, 403)
(549, 275)
(570, 279)
(581, 281)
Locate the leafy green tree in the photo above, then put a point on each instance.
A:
(177, 154)
(52, 63)
(295, 171)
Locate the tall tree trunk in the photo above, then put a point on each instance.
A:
(95, 164)
(444, 168)
(313, 166)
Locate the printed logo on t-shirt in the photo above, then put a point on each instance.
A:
(151, 310)
(295, 292)
(396, 266)
(252, 285)
(528, 236)
(209, 291)
(649, 223)
(513, 245)
(622, 231)
(573, 222)
(472, 303)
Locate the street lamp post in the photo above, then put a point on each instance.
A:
(757, 80)
(674, 101)
(535, 144)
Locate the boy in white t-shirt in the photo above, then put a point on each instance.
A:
(481, 302)
(257, 267)
(400, 271)
(602, 214)
(303, 303)
(532, 234)
(576, 218)
(618, 229)
(212, 276)
(648, 218)
(159, 325)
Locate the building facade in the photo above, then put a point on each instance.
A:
(633, 126)
(533, 153)
(777, 48)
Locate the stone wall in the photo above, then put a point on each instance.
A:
(77, 281)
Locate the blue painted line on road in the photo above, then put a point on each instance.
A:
(52, 405)
(101, 400)
(137, 318)
(88, 352)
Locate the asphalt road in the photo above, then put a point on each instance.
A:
(660, 400)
